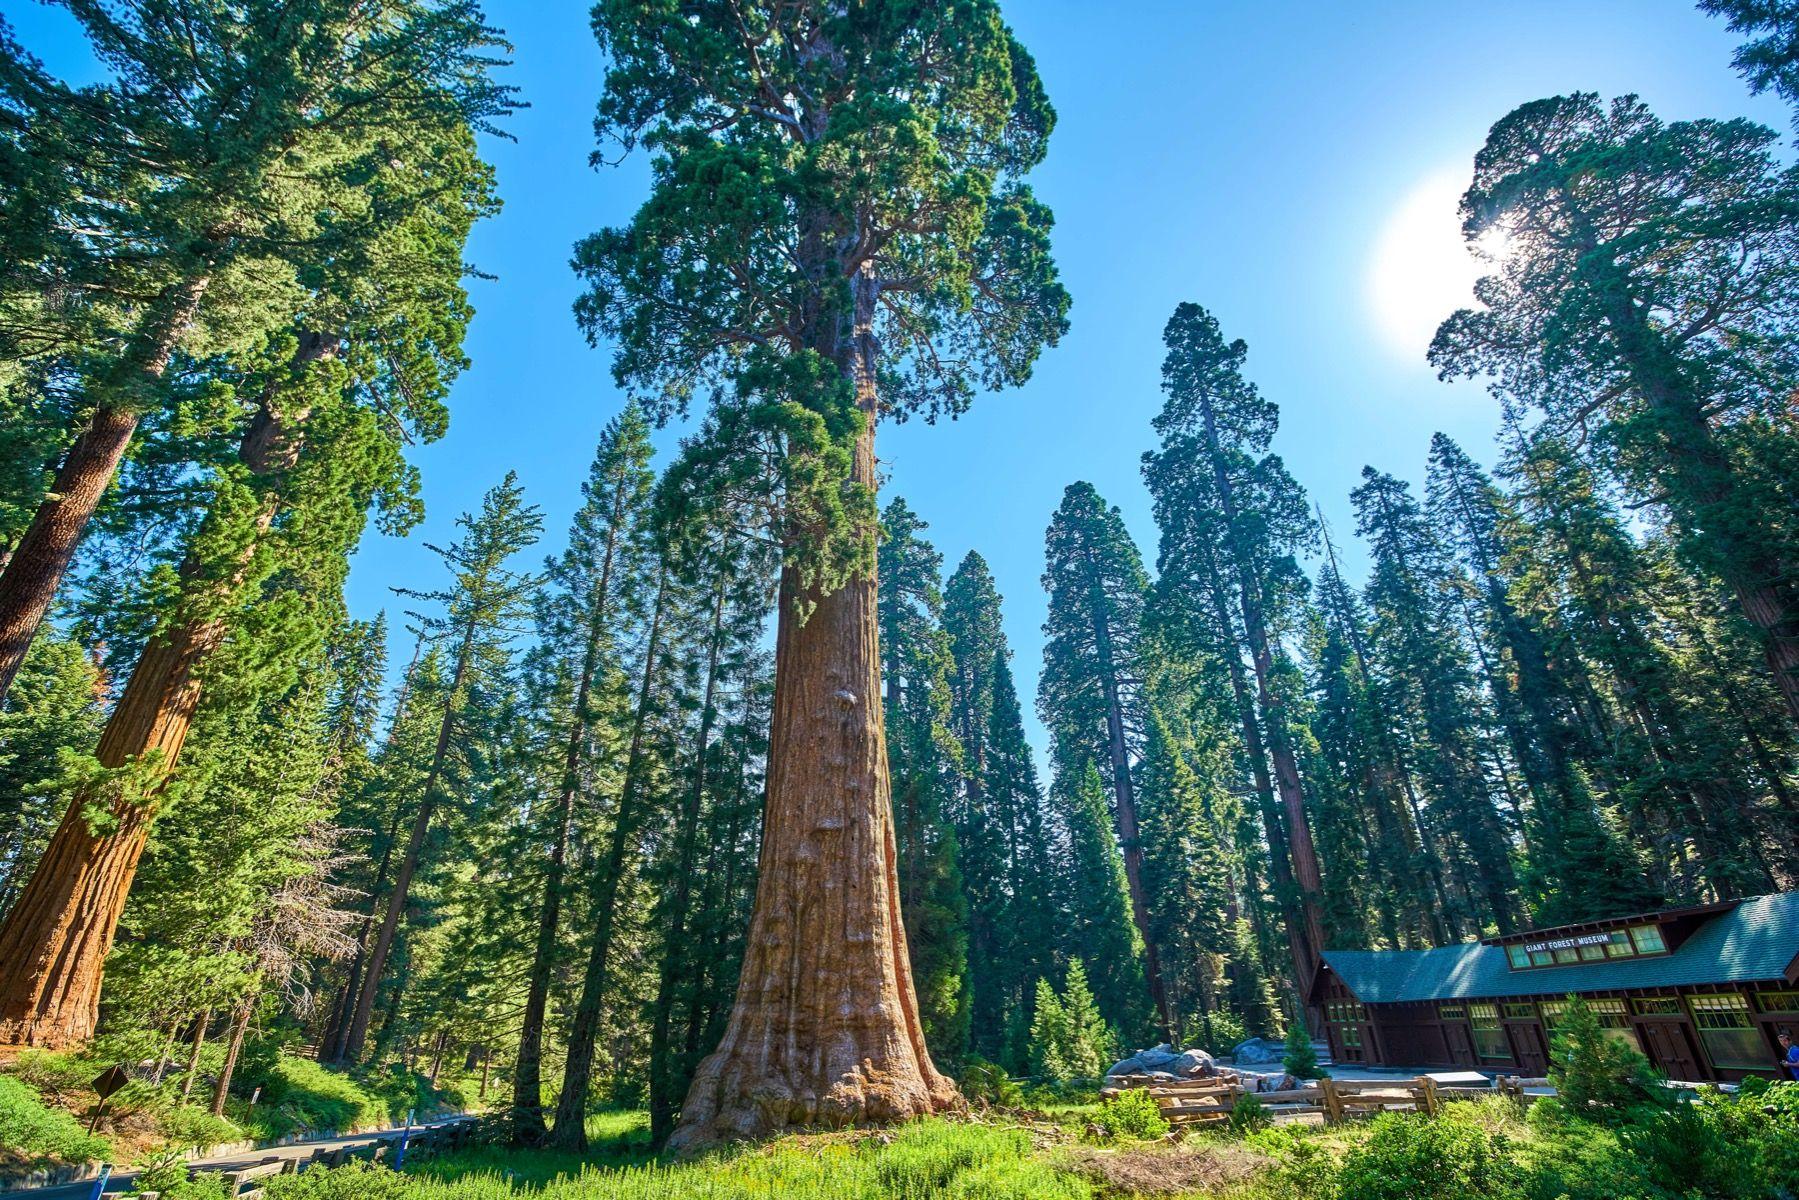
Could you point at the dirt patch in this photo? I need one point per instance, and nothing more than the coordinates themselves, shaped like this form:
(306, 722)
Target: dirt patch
(1165, 1170)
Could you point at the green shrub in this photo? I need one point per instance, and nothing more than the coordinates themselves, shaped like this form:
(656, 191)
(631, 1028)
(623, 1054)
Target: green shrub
(38, 1134)
(1597, 1076)
(165, 1173)
(356, 1181)
(1249, 1114)
(1131, 1114)
(1217, 1033)
(299, 1094)
(1304, 1167)
(1300, 1060)
(193, 1128)
(1449, 1157)
(982, 1080)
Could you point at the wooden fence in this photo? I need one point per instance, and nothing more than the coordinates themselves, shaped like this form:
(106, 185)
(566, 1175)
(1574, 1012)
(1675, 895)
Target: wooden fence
(1209, 1101)
(244, 1183)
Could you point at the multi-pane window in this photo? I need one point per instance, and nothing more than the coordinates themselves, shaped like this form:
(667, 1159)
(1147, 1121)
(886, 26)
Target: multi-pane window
(1521, 1012)
(1613, 1017)
(1490, 1042)
(1729, 1033)
(1619, 943)
(1778, 1002)
(1451, 1012)
(1346, 1016)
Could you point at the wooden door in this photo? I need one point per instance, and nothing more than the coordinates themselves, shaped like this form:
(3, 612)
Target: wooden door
(1461, 1048)
(1671, 1049)
(1528, 1048)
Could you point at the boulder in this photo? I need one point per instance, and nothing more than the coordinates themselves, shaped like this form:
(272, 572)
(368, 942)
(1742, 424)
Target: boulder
(1258, 1051)
(1164, 1062)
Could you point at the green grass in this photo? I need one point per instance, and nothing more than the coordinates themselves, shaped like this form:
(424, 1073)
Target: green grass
(931, 1160)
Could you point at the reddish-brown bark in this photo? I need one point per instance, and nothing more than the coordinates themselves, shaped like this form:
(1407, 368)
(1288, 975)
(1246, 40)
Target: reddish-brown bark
(825, 1028)
(54, 941)
(35, 566)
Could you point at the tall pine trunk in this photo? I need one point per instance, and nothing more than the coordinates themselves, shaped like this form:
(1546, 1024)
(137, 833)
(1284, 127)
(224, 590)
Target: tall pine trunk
(825, 1028)
(570, 1132)
(36, 564)
(54, 941)
(675, 956)
(356, 1036)
(528, 1126)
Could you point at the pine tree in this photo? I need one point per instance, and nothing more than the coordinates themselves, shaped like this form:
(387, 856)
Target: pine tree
(1581, 866)
(1231, 519)
(811, 316)
(483, 611)
(1096, 903)
(1426, 684)
(922, 757)
(57, 706)
(226, 133)
(1090, 692)
(580, 615)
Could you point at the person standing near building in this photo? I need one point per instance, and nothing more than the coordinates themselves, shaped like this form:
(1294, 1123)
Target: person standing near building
(1789, 1056)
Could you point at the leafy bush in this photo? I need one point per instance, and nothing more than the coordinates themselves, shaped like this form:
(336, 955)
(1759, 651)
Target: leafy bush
(39, 1135)
(1249, 1114)
(1217, 1033)
(1450, 1157)
(982, 1080)
(165, 1174)
(1300, 1060)
(1597, 1076)
(1131, 1114)
(1304, 1167)
(193, 1128)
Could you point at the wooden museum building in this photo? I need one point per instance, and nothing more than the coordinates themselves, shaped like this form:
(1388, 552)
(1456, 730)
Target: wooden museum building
(1703, 991)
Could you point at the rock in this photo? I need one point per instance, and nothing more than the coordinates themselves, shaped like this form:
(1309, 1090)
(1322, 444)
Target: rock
(1258, 1051)
(1164, 1062)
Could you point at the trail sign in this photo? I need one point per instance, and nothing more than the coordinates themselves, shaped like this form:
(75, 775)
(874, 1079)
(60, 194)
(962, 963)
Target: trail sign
(110, 1080)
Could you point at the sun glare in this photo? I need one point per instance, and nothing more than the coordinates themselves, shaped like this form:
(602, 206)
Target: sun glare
(1420, 270)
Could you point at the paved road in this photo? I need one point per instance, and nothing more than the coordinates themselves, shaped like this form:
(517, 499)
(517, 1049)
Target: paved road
(121, 1181)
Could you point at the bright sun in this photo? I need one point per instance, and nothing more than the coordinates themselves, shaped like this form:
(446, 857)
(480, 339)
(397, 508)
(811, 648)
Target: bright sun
(1420, 270)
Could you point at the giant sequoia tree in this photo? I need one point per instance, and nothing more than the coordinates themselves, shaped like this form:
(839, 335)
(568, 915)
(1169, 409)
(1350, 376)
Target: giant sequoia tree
(1646, 297)
(235, 150)
(836, 231)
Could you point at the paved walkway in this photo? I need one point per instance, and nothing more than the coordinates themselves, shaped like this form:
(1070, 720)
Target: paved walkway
(225, 1162)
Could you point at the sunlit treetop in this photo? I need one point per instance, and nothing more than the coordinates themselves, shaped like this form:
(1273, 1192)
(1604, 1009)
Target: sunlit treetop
(1628, 242)
(800, 144)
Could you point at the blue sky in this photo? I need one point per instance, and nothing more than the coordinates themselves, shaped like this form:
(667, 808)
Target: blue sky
(1292, 166)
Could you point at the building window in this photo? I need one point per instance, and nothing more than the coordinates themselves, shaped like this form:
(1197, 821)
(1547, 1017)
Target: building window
(1612, 1015)
(1520, 1012)
(1541, 958)
(1648, 939)
(1657, 1006)
(1592, 953)
(1451, 1012)
(1729, 1033)
(1489, 1035)
(1346, 1017)
(1597, 947)
(1519, 956)
(1619, 946)
(1568, 954)
(1778, 1002)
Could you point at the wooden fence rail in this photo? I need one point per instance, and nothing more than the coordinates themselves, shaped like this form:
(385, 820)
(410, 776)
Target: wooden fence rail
(244, 1183)
(1210, 1101)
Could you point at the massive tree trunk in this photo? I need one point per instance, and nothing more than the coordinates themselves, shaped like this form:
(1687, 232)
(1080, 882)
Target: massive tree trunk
(528, 1126)
(570, 1131)
(54, 941)
(35, 566)
(825, 1029)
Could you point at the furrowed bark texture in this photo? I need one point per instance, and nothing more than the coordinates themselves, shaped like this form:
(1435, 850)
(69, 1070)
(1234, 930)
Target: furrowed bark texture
(35, 566)
(54, 941)
(825, 1029)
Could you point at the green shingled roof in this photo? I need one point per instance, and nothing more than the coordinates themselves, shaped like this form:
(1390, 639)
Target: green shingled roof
(1754, 942)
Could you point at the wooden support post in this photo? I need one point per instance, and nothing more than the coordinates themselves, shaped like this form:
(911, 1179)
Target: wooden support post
(1333, 1103)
